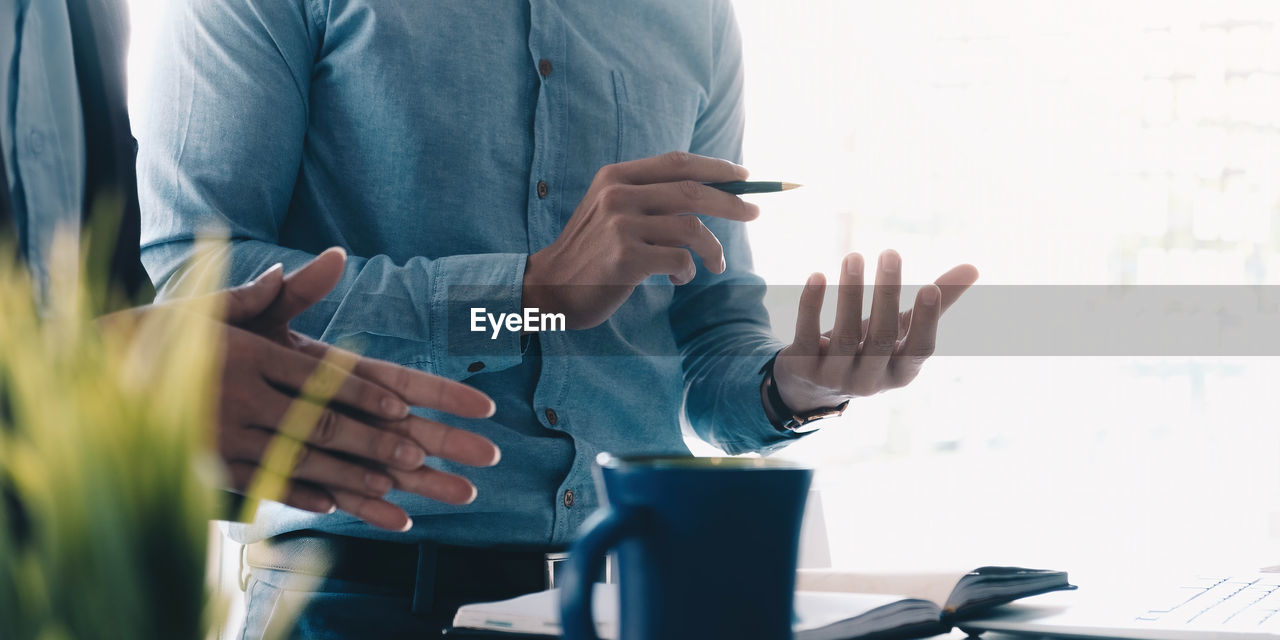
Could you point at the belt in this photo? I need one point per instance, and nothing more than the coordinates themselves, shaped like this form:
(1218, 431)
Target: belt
(433, 574)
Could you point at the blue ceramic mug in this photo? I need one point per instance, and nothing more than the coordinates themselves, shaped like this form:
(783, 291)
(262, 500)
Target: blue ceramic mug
(706, 548)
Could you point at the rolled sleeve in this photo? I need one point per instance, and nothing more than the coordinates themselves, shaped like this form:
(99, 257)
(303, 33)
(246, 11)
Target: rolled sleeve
(719, 319)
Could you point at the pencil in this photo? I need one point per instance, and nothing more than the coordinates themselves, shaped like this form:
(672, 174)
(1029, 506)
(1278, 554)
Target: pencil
(743, 188)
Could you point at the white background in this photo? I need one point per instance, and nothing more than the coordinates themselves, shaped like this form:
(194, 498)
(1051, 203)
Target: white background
(1046, 143)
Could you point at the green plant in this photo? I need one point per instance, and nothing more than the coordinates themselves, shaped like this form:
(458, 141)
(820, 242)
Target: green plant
(106, 474)
(108, 480)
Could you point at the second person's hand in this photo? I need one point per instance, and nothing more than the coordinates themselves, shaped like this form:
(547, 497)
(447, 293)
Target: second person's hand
(365, 442)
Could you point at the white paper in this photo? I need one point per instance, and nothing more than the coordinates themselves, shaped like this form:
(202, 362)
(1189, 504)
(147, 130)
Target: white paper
(539, 613)
(935, 587)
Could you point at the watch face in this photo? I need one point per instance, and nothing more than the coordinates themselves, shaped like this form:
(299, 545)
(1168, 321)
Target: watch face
(808, 422)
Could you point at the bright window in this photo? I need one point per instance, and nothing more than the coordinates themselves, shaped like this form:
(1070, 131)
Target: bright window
(1046, 143)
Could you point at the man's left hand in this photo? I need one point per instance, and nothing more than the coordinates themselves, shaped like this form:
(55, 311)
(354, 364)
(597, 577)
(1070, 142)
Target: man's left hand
(862, 357)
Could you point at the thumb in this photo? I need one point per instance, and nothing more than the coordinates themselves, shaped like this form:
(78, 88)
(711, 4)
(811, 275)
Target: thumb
(305, 287)
(247, 301)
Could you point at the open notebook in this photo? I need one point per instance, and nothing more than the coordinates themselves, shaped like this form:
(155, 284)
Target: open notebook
(922, 604)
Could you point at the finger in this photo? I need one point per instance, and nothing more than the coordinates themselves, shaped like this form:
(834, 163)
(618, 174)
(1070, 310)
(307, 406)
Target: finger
(436, 485)
(951, 284)
(882, 331)
(904, 322)
(685, 196)
(340, 433)
(316, 466)
(847, 334)
(449, 443)
(311, 464)
(374, 511)
(684, 231)
(675, 166)
(305, 287)
(297, 494)
(921, 337)
(955, 282)
(249, 300)
(292, 369)
(417, 388)
(809, 317)
(676, 264)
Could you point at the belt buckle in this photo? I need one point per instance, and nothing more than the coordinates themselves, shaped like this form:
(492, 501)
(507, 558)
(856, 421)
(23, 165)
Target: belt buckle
(553, 563)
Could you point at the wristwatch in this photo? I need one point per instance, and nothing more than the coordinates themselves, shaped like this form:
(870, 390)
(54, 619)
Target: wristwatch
(794, 422)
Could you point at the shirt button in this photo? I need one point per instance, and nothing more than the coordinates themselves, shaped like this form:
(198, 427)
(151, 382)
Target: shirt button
(568, 498)
(36, 142)
(552, 418)
(544, 67)
(543, 189)
(475, 366)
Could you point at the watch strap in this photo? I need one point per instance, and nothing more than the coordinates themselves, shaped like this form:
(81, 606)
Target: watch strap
(794, 421)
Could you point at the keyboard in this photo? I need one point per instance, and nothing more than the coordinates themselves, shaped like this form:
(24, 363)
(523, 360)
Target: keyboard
(1245, 603)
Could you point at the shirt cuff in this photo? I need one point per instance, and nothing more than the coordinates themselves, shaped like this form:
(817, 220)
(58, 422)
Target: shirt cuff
(754, 431)
(473, 286)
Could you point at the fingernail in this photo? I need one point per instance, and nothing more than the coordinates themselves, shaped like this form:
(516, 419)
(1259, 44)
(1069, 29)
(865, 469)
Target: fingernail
(740, 170)
(409, 454)
(407, 525)
(853, 265)
(493, 409)
(929, 295)
(474, 493)
(889, 262)
(332, 510)
(394, 407)
(723, 265)
(497, 457)
(377, 482)
(279, 266)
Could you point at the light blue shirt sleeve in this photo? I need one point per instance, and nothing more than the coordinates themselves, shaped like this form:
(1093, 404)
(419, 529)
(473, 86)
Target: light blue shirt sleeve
(41, 128)
(720, 320)
(221, 151)
(8, 50)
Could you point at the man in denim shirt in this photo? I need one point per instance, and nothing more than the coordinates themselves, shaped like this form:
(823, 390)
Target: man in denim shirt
(499, 155)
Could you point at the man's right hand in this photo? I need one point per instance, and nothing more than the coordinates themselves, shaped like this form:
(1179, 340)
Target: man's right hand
(634, 222)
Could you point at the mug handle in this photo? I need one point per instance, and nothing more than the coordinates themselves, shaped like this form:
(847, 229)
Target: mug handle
(602, 531)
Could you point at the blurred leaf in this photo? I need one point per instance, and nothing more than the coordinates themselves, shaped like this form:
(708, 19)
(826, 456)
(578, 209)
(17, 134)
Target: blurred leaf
(103, 462)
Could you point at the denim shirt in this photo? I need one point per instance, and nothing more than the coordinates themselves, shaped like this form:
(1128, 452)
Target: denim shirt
(41, 128)
(415, 135)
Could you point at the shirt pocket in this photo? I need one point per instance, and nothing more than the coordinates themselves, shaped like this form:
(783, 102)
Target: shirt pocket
(654, 115)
